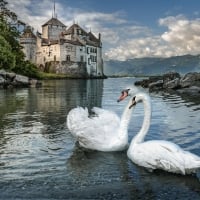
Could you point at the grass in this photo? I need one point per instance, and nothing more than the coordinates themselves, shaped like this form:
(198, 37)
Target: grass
(45, 76)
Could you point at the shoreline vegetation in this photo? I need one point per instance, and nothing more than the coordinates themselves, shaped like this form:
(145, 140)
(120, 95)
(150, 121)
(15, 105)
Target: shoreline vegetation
(15, 80)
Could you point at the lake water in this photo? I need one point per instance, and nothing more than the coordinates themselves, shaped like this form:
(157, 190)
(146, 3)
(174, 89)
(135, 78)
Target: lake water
(39, 159)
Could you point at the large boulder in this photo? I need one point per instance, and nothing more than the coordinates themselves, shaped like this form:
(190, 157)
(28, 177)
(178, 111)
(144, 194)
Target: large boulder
(190, 79)
(2, 80)
(20, 81)
(12, 80)
(3, 73)
(172, 84)
(171, 80)
(189, 83)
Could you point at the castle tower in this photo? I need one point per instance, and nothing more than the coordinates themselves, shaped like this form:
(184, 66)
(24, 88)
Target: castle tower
(52, 29)
(28, 41)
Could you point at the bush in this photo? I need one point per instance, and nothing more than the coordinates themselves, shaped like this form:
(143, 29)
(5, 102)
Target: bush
(27, 68)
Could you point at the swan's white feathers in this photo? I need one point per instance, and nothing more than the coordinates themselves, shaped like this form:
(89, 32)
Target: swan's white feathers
(95, 131)
(160, 154)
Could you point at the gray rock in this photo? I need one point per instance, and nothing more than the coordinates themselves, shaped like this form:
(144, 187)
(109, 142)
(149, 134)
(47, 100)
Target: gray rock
(10, 75)
(188, 84)
(172, 84)
(189, 79)
(24, 80)
(2, 80)
(3, 73)
(156, 85)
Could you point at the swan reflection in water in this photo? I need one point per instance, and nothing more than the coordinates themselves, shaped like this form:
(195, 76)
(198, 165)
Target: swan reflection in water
(158, 154)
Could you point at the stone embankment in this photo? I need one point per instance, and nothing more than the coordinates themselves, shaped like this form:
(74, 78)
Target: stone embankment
(189, 83)
(13, 80)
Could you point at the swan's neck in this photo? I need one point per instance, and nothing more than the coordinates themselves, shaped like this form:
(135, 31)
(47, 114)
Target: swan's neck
(145, 125)
(125, 119)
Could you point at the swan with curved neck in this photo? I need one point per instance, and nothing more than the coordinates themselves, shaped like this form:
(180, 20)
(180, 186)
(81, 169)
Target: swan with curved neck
(105, 131)
(159, 154)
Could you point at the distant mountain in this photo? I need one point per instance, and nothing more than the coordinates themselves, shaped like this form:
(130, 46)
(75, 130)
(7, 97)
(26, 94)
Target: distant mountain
(152, 66)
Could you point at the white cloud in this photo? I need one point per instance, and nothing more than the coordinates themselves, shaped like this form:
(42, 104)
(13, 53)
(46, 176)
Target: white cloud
(34, 13)
(182, 37)
(183, 34)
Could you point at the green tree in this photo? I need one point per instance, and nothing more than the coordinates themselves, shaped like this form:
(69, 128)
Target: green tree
(7, 58)
(8, 30)
(11, 54)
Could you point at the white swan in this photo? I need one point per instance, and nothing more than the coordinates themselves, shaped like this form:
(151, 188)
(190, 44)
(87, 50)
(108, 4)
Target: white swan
(159, 154)
(104, 131)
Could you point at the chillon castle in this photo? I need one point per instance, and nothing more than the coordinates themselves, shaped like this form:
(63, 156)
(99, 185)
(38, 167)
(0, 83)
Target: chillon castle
(64, 50)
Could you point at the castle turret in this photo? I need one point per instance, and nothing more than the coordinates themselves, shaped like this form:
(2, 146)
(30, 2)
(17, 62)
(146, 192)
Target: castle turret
(28, 41)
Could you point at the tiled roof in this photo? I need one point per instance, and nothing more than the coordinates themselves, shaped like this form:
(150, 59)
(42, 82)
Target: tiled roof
(28, 33)
(92, 37)
(70, 30)
(55, 22)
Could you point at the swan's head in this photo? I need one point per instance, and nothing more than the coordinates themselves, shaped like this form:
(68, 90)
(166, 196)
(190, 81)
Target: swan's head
(140, 97)
(133, 103)
(136, 96)
(130, 91)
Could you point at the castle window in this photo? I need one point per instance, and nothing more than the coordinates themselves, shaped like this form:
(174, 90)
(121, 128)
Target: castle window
(78, 31)
(82, 59)
(89, 61)
(88, 50)
(55, 58)
(68, 58)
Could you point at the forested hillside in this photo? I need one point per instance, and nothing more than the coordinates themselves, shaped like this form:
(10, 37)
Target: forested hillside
(152, 66)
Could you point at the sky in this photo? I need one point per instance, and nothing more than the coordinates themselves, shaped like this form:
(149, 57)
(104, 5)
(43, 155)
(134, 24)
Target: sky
(129, 28)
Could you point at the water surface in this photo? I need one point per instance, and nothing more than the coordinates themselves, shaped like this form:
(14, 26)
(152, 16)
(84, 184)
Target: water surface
(39, 159)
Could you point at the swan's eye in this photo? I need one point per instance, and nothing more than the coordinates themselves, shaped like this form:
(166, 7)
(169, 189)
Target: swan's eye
(133, 102)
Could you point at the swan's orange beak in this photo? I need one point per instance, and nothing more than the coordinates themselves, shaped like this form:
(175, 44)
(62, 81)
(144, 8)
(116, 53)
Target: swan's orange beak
(123, 95)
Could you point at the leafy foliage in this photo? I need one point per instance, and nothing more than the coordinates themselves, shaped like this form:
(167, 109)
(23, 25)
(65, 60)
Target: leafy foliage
(12, 57)
(7, 58)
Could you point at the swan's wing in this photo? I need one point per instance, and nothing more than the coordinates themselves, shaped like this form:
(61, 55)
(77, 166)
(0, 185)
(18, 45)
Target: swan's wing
(76, 119)
(106, 118)
(160, 155)
(98, 129)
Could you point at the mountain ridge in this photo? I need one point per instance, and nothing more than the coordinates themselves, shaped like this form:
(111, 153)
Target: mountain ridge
(152, 66)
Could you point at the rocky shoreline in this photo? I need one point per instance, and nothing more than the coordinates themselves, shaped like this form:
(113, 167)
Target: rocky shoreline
(189, 83)
(13, 80)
